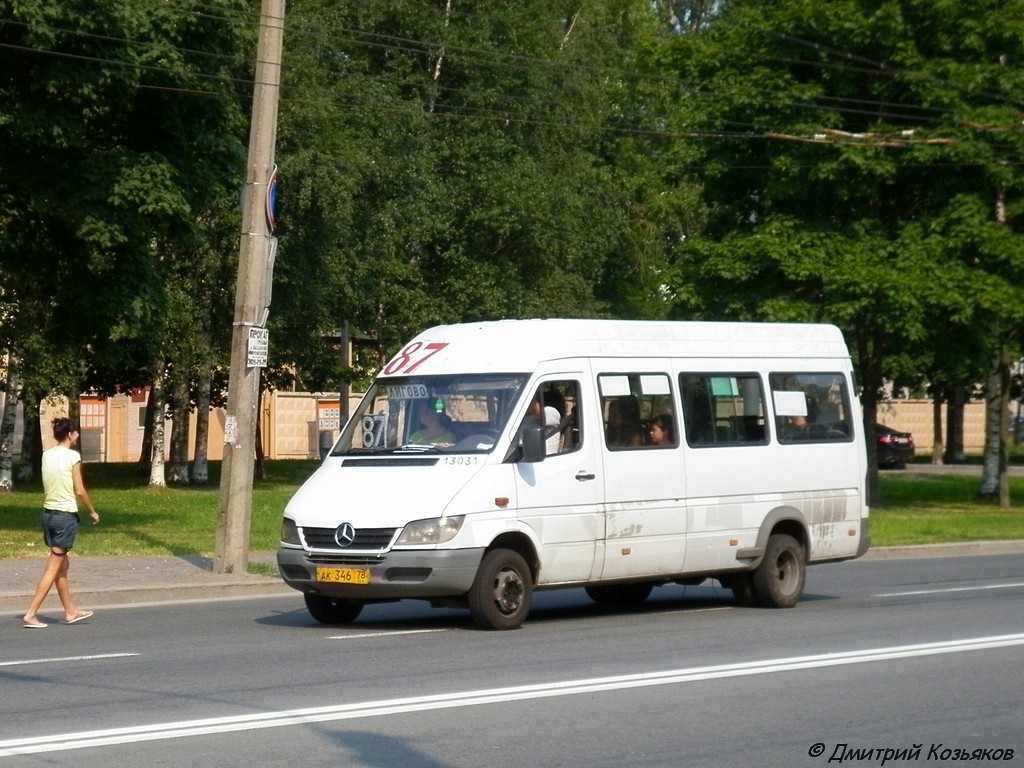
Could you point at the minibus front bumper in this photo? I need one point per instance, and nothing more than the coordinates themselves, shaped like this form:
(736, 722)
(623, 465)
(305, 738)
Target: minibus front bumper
(396, 575)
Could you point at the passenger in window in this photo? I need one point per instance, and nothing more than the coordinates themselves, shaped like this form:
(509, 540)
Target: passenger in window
(548, 417)
(797, 426)
(794, 428)
(700, 428)
(662, 431)
(623, 429)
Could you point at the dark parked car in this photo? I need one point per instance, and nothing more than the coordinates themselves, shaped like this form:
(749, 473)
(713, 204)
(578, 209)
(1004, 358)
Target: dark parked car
(895, 449)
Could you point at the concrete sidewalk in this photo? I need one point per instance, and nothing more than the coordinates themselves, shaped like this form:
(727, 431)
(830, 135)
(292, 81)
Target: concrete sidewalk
(105, 581)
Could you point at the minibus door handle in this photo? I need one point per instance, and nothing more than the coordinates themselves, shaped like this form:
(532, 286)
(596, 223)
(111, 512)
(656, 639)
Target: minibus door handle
(584, 475)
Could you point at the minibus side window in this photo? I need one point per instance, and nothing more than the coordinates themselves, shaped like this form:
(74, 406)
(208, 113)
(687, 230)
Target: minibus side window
(811, 407)
(723, 409)
(638, 410)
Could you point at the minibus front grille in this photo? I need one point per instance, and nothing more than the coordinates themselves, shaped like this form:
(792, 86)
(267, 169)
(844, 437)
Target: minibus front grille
(376, 539)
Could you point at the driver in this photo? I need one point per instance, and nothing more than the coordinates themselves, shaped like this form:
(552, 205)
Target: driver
(434, 424)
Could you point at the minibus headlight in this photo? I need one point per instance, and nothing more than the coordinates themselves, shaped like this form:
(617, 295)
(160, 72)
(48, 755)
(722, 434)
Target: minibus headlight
(435, 531)
(290, 532)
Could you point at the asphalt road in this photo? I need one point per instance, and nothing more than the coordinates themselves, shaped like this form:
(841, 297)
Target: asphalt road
(881, 654)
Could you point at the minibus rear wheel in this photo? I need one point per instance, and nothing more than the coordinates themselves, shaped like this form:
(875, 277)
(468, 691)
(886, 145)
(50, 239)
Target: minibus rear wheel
(779, 579)
(332, 610)
(500, 595)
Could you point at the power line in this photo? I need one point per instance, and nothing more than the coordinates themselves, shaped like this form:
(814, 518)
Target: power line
(834, 105)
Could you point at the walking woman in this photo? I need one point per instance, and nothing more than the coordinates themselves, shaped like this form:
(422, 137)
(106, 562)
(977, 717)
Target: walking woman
(63, 488)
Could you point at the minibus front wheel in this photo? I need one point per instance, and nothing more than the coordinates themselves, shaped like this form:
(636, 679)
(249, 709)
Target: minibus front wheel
(501, 593)
(332, 610)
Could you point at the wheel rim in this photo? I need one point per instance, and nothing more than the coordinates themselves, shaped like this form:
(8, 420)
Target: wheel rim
(508, 590)
(786, 572)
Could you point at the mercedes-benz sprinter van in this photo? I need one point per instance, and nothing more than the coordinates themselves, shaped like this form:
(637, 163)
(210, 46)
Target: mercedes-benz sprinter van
(489, 460)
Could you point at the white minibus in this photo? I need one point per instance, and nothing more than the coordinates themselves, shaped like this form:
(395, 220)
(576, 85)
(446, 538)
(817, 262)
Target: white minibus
(489, 460)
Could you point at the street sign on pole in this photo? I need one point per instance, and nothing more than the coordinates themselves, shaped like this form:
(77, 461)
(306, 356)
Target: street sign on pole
(258, 348)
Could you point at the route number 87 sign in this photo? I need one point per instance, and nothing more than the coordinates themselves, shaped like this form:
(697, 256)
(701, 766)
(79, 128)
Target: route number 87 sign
(413, 356)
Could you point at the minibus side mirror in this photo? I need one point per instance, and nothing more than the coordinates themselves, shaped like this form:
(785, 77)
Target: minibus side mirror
(534, 444)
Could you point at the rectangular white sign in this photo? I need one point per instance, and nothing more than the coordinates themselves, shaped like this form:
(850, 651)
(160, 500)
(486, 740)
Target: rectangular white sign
(258, 347)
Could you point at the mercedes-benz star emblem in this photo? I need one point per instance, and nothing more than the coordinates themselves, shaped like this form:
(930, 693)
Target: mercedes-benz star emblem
(345, 535)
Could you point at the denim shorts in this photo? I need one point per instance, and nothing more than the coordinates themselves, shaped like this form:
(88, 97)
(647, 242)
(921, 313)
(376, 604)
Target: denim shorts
(59, 529)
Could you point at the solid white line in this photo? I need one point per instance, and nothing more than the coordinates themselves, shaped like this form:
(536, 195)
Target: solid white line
(254, 721)
(361, 635)
(65, 658)
(948, 590)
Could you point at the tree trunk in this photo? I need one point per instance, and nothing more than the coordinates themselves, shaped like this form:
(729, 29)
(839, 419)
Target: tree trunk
(955, 425)
(870, 350)
(177, 468)
(259, 471)
(937, 429)
(156, 415)
(200, 473)
(994, 477)
(7, 424)
(146, 452)
(31, 439)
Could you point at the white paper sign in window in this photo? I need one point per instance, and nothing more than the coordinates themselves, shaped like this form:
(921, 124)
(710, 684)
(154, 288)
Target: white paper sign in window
(790, 403)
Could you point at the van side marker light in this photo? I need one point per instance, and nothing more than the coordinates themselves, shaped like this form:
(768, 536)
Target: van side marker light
(501, 501)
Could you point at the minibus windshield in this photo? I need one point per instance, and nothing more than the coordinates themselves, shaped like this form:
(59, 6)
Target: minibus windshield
(461, 413)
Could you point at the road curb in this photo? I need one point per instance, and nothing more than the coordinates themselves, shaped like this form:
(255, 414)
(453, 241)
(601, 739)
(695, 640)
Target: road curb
(954, 549)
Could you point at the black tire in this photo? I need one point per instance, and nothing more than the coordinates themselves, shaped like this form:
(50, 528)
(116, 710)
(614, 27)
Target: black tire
(501, 593)
(742, 586)
(332, 610)
(620, 596)
(779, 579)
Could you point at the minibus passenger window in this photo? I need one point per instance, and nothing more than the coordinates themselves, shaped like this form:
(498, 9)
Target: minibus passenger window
(811, 407)
(638, 410)
(723, 409)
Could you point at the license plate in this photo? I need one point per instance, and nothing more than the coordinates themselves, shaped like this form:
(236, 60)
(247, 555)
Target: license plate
(343, 575)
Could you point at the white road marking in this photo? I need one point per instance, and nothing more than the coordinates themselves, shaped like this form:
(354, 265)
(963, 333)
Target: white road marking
(948, 590)
(259, 721)
(61, 659)
(361, 635)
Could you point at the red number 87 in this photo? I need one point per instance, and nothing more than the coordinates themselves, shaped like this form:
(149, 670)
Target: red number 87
(408, 361)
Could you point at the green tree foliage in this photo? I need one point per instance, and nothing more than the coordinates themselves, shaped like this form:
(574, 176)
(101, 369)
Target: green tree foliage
(459, 161)
(855, 160)
(121, 127)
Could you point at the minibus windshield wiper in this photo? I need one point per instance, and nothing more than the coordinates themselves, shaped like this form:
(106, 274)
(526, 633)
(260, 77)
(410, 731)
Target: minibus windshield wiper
(418, 448)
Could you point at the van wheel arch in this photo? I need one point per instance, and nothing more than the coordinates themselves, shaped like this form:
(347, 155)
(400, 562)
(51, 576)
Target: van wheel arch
(520, 544)
(782, 520)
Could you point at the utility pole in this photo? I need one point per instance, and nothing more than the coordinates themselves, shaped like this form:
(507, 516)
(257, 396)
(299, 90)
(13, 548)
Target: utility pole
(252, 298)
(346, 361)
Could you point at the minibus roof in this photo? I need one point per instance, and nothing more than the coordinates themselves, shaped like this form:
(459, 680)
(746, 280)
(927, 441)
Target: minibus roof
(520, 345)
